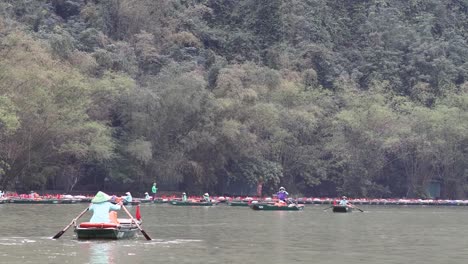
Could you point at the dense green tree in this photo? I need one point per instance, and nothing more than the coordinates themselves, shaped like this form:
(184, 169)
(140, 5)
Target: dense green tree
(324, 97)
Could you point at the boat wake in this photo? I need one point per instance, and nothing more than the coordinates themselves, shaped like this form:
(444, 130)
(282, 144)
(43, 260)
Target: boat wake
(174, 242)
(15, 241)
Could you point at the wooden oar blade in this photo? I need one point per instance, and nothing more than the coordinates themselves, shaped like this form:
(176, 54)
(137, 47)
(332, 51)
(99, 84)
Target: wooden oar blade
(146, 235)
(355, 207)
(136, 223)
(59, 234)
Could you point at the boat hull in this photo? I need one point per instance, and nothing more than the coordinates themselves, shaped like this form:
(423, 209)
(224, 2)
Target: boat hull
(106, 231)
(160, 201)
(238, 203)
(35, 201)
(181, 203)
(272, 207)
(342, 209)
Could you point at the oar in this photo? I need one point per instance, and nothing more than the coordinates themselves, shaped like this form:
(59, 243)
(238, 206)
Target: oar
(328, 208)
(59, 234)
(353, 206)
(136, 223)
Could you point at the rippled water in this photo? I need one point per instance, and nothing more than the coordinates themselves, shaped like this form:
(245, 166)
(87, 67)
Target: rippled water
(223, 234)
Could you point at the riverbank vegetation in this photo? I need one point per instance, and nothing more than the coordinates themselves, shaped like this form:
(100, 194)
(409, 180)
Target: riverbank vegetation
(367, 98)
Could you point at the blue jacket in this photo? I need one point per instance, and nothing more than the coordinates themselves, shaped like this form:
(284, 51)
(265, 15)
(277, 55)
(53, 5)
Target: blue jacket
(101, 212)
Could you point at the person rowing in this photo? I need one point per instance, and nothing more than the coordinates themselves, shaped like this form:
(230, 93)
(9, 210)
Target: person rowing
(128, 197)
(101, 207)
(282, 194)
(147, 196)
(206, 198)
(184, 197)
(344, 201)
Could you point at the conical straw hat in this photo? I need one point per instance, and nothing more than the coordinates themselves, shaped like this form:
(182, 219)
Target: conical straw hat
(100, 198)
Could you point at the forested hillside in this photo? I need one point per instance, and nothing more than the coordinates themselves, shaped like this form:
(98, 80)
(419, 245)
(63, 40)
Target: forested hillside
(324, 97)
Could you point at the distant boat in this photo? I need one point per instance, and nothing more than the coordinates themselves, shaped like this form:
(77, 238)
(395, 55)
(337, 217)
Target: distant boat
(342, 209)
(191, 203)
(238, 203)
(273, 207)
(35, 201)
(160, 200)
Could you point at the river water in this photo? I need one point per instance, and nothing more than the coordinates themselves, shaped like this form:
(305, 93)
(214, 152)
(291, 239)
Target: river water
(222, 234)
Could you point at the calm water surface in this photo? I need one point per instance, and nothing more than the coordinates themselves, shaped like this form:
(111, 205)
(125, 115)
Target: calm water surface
(223, 234)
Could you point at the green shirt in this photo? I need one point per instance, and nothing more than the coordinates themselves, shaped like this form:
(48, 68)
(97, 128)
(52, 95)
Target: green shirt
(154, 189)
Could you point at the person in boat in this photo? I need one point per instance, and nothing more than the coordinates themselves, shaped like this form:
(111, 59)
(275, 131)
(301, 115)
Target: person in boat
(154, 190)
(344, 201)
(206, 198)
(101, 207)
(1, 194)
(33, 195)
(184, 197)
(147, 196)
(282, 194)
(128, 197)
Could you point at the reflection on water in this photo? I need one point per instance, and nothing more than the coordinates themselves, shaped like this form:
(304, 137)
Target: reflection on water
(100, 252)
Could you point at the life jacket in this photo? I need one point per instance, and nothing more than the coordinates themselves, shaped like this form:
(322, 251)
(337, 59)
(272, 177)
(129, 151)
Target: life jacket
(280, 203)
(113, 217)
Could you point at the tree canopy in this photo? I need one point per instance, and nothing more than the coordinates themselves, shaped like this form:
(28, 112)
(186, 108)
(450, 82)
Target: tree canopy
(325, 97)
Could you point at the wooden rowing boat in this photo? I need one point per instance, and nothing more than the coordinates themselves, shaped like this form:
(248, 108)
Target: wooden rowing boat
(238, 203)
(125, 229)
(160, 200)
(342, 209)
(44, 201)
(273, 207)
(35, 201)
(190, 203)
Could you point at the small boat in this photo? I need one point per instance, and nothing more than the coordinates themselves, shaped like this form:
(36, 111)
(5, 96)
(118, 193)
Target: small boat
(191, 203)
(68, 201)
(238, 203)
(34, 201)
(124, 229)
(145, 200)
(342, 209)
(160, 200)
(133, 202)
(274, 207)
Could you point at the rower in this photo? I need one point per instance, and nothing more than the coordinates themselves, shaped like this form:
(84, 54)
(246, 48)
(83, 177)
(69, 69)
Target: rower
(206, 197)
(147, 197)
(101, 206)
(128, 197)
(184, 197)
(343, 201)
(282, 194)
